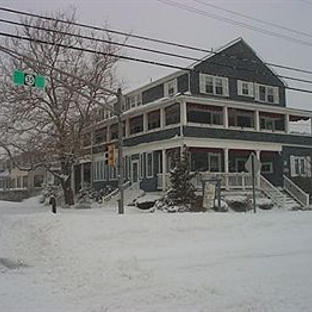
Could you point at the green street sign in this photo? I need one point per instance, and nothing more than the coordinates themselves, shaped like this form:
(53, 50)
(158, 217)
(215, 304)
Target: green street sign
(23, 79)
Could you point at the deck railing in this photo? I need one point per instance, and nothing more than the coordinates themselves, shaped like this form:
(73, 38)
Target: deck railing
(296, 192)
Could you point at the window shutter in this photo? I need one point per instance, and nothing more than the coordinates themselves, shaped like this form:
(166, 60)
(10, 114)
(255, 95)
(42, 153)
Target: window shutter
(202, 84)
(239, 87)
(256, 89)
(166, 89)
(276, 95)
(225, 85)
(292, 166)
(251, 89)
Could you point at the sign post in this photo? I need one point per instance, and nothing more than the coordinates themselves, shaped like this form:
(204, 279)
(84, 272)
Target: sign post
(24, 79)
(253, 165)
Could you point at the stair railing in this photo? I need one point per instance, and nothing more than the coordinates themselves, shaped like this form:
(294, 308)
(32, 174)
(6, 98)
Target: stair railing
(296, 192)
(272, 192)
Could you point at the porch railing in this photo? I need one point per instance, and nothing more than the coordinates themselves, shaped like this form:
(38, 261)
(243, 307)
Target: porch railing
(272, 192)
(296, 192)
(229, 181)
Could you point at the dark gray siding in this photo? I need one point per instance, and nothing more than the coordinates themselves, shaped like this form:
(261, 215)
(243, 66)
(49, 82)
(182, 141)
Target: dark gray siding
(276, 178)
(295, 151)
(234, 96)
(152, 137)
(183, 83)
(198, 132)
(153, 94)
(304, 182)
(150, 184)
(238, 62)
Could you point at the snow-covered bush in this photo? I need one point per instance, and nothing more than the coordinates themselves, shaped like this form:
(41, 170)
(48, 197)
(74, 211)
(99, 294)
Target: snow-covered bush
(84, 197)
(264, 203)
(238, 203)
(48, 191)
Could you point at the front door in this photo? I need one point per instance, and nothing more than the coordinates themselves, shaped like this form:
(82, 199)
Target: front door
(134, 171)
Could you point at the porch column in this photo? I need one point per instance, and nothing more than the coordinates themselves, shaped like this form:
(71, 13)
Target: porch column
(162, 118)
(226, 167)
(287, 130)
(225, 117)
(183, 113)
(164, 171)
(257, 121)
(145, 125)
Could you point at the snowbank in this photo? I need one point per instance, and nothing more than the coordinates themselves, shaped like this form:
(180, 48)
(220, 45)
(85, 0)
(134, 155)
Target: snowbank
(95, 260)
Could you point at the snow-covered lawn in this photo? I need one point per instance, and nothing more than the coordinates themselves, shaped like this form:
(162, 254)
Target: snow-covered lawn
(95, 260)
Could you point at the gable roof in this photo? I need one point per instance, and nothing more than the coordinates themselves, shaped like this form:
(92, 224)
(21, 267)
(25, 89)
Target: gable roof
(238, 59)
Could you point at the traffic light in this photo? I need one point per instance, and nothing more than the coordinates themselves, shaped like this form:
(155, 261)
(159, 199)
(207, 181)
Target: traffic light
(111, 155)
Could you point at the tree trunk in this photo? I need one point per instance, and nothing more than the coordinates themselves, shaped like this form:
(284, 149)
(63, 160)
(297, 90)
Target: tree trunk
(68, 193)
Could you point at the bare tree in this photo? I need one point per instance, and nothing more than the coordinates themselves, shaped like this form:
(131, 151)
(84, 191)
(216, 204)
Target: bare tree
(45, 127)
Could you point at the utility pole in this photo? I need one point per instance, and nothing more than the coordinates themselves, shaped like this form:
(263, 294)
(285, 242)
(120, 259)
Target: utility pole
(253, 181)
(120, 154)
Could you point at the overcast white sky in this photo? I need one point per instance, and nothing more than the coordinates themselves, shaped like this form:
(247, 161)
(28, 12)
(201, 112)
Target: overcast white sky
(153, 18)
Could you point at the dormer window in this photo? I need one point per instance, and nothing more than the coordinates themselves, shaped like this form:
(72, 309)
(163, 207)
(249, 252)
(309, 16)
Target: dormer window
(245, 88)
(133, 100)
(266, 94)
(213, 85)
(171, 88)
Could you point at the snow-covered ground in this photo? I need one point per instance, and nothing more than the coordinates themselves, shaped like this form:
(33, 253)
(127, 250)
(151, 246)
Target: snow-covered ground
(96, 261)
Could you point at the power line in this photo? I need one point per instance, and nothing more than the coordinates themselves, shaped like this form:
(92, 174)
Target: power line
(132, 58)
(156, 40)
(298, 32)
(117, 32)
(234, 22)
(135, 47)
(126, 57)
(129, 46)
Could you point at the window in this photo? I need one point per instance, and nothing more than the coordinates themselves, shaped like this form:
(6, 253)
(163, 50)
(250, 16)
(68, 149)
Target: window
(241, 118)
(300, 166)
(100, 136)
(141, 166)
(25, 181)
(266, 94)
(136, 124)
(86, 139)
(112, 173)
(206, 161)
(149, 165)
(213, 85)
(38, 180)
(267, 167)
(245, 88)
(170, 88)
(113, 131)
(153, 120)
(133, 100)
(204, 114)
(99, 170)
(272, 122)
(172, 114)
